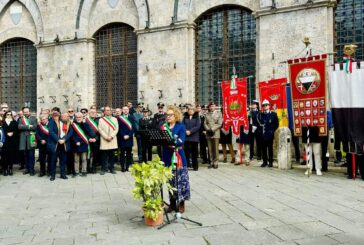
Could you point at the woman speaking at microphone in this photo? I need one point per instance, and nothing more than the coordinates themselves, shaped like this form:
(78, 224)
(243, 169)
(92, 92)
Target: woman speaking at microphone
(177, 159)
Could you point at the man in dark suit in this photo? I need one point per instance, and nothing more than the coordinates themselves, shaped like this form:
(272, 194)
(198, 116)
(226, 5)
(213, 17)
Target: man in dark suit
(42, 134)
(60, 133)
(93, 123)
(125, 138)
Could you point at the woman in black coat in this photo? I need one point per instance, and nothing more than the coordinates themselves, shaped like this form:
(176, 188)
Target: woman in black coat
(192, 123)
(10, 147)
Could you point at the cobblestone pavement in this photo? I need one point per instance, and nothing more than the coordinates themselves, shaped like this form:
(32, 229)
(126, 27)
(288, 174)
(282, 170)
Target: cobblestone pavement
(236, 204)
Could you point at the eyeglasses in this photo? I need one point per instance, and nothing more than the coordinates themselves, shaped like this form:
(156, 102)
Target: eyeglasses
(70, 111)
(169, 115)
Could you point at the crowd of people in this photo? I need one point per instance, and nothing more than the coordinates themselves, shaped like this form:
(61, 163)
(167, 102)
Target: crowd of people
(95, 138)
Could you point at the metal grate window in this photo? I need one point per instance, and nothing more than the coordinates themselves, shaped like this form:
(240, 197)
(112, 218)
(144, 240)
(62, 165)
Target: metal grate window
(349, 27)
(116, 65)
(18, 74)
(225, 37)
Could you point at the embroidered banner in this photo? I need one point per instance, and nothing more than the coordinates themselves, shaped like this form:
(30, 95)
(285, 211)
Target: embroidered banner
(234, 95)
(275, 92)
(308, 89)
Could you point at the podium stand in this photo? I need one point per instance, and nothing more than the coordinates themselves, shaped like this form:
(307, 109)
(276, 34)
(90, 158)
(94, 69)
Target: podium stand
(157, 137)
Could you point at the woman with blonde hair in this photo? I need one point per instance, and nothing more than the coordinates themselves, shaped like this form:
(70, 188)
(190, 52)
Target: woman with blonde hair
(173, 155)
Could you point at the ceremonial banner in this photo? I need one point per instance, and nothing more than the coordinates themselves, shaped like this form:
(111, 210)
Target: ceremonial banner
(308, 89)
(234, 104)
(275, 92)
(347, 103)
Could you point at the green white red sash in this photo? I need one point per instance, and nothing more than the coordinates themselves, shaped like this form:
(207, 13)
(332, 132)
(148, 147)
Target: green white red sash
(93, 124)
(83, 136)
(43, 128)
(25, 121)
(125, 120)
(176, 159)
(109, 122)
(80, 132)
(348, 64)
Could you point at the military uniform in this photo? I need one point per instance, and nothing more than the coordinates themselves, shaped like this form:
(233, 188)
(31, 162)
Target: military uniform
(145, 124)
(268, 123)
(212, 124)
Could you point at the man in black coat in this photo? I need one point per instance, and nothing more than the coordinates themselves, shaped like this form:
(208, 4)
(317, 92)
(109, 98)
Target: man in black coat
(159, 119)
(145, 124)
(268, 123)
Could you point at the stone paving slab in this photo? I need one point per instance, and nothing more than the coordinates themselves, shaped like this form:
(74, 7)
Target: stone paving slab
(236, 204)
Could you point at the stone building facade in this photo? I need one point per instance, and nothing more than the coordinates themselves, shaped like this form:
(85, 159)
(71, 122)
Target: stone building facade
(81, 58)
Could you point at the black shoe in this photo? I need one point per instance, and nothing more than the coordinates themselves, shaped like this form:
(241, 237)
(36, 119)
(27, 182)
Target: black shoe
(52, 178)
(123, 170)
(210, 166)
(10, 172)
(74, 175)
(64, 177)
(112, 171)
(5, 173)
(41, 174)
(21, 168)
(26, 172)
(303, 163)
(263, 165)
(31, 173)
(344, 165)
(102, 172)
(84, 174)
(270, 165)
(259, 158)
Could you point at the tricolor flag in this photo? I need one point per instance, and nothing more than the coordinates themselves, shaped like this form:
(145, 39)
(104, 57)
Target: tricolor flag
(347, 103)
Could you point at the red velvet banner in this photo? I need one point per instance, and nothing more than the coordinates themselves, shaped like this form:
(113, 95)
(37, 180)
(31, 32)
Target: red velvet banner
(234, 94)
(275, 92)
(308, 89)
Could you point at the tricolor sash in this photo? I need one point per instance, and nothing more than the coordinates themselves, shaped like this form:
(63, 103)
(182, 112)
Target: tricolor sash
(80, 132)
(176, 159)
(126, 121)
(83, 136)
(25, 121)
(109, 122)
(348, 64)
(93, 124)
(43, 128)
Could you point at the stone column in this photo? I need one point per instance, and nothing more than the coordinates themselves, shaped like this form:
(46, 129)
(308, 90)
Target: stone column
(284, 148)
(166, 65)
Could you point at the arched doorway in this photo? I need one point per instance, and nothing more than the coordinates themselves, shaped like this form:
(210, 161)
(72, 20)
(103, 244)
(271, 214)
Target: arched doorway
(225, 37)
(18, 74)
(349, 27)
(116, 65)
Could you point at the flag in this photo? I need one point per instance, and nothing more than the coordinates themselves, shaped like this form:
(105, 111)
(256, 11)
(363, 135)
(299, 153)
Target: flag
(347, 104)
(275, 92)
(308, 91)
(234, 105)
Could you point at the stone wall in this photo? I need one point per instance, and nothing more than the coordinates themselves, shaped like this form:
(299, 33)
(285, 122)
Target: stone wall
(166, 50)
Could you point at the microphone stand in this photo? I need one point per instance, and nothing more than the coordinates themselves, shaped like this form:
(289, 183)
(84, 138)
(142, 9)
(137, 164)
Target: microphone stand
(177, 215)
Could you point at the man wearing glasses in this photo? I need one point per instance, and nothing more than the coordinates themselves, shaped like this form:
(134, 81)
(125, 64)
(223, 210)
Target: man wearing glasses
(70, 155)
(268, 123)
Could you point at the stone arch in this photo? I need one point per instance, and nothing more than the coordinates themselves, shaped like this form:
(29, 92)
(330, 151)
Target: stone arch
(86, 8)
(18, 32)
(189, 10)
(33, 9)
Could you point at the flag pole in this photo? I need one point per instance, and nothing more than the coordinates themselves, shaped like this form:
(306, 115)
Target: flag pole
(307, 42)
